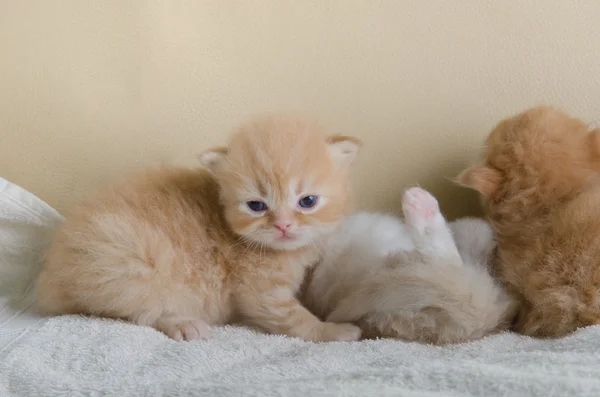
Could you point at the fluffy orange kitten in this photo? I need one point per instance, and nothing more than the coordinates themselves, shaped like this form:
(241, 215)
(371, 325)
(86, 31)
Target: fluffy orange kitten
(540, 183)
(180, 249)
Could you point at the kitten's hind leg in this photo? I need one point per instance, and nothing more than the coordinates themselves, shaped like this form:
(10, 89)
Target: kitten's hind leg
(426, 224)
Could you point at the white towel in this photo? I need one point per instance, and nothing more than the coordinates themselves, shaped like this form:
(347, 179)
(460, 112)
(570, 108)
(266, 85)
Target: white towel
(78, 356)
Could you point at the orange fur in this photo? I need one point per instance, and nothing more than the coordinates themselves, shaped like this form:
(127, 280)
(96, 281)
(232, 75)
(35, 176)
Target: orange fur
(180, 250)
(540, 187)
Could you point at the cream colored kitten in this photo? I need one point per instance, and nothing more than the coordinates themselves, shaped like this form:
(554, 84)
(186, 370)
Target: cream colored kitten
(408, 280)
(180, 250)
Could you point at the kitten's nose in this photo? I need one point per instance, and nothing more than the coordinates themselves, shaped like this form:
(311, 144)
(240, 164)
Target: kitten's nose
(282, 226)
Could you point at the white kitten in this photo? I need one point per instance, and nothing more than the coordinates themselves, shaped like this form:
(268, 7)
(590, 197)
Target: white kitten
(421, 280)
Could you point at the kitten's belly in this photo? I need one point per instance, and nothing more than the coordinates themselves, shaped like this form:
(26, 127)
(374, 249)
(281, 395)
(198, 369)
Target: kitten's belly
(359, 248)
(373, 234)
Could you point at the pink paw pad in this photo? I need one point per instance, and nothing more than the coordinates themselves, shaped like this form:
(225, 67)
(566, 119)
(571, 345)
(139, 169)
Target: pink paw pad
(419, 203)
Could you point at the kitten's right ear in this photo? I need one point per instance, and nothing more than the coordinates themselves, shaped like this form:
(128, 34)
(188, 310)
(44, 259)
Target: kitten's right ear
(343, 149)
(482, 178)
(213, 159)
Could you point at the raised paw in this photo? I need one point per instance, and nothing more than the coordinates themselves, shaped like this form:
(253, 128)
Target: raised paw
(185, 329)
(426, 224)
(332, 332)
(420, 208)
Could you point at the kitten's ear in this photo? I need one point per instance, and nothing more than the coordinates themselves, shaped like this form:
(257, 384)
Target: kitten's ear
(213, 158)
(343, 149)
(481, 178)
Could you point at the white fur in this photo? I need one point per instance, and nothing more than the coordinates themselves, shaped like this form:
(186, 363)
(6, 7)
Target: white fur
(410, 280)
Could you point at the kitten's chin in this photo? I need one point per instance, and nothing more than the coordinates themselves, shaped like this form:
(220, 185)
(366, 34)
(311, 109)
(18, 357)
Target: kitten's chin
(288, 244)
(294, 240)
(302, 239)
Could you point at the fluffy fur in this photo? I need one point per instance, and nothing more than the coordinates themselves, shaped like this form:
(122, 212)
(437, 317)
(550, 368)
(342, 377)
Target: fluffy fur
(539, 181)
(408, 280)
(180, 249)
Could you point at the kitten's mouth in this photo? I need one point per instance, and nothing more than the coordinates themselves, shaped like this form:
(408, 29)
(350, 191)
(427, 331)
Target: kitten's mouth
(285, 237)
(287, 241)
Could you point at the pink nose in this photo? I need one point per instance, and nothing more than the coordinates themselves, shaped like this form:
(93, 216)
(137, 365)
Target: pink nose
(282, 226)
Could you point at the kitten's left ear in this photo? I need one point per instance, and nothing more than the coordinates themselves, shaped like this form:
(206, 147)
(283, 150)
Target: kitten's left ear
(482, 178)
(213, 158)
(343, 149)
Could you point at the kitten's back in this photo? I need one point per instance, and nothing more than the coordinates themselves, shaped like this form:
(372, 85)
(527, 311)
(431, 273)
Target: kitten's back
(428, 302)
(142, 237)
(540, 188)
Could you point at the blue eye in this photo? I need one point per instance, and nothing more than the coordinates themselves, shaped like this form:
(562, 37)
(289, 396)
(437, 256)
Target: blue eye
(257, 206)
(308, 201)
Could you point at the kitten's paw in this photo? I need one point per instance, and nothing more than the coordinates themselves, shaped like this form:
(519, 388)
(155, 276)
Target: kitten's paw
(426, 224)
(420, 208)
(332, 332)
(185, 329)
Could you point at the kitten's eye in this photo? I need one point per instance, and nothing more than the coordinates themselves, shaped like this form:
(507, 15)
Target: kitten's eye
(308, 201)
(257, 206)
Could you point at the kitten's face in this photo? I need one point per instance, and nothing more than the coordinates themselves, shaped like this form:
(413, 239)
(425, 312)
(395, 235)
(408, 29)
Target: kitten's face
(284, 184)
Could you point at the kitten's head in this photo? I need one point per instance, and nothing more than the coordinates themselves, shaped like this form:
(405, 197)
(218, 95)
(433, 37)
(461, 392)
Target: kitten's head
(541, 151)
(284, 183)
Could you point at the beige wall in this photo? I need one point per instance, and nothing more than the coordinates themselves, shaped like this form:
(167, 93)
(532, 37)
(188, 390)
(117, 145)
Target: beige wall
(90, 89)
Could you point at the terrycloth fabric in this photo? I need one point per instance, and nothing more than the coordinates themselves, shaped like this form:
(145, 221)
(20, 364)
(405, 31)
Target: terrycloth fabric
(77, 356)
(26, 227)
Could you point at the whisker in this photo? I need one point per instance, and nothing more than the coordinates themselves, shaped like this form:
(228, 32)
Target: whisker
(251, 241)
(313, 245)
(262, 245)
(239, 241)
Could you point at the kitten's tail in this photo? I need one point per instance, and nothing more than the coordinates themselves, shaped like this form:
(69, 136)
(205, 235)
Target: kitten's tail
(433, 303)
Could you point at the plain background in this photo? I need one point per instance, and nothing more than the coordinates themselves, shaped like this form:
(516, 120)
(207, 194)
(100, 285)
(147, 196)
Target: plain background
(90, 90)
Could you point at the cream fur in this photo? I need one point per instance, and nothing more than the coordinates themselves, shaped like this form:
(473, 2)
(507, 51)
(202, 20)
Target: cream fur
(408, 280)
(180, 250)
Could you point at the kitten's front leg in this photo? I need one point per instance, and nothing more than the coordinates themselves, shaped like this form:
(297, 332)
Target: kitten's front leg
(278, 311)
(426, 224)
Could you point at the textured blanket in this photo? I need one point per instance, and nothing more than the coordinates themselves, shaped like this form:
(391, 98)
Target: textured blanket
(78, 356)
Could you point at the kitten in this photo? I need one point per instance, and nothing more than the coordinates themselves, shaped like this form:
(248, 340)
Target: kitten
(540, 186)
(181, 250)
(408, 280)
